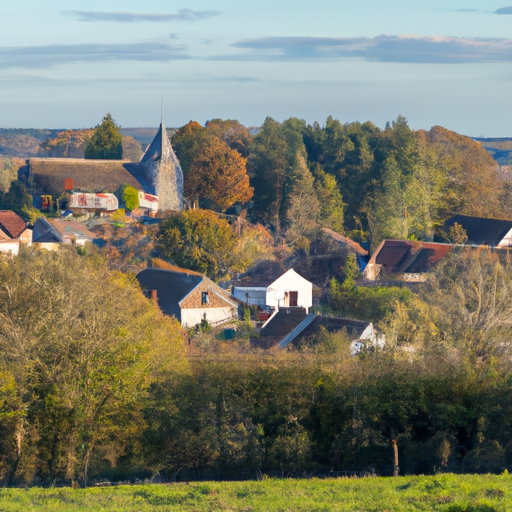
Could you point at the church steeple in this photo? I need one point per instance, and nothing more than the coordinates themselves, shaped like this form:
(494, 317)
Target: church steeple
(164, 171)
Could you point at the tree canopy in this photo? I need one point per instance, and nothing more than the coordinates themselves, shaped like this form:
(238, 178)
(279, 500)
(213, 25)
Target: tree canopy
(198, 240)
(80, 348)
(107, 141)
(213, 162)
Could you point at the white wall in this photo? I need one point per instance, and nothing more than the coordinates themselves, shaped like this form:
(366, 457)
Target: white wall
(507, 241)
(253, 296)
(193, 317)
(10, 247)
(290, 281)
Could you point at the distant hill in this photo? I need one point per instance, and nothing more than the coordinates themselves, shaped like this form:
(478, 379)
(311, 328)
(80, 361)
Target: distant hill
(23, 143)
(26, 143)
(500, 148)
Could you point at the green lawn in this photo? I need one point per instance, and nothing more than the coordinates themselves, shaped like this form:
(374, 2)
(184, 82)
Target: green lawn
(451, 493)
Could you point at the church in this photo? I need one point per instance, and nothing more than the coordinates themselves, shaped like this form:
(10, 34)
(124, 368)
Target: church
(157, 177)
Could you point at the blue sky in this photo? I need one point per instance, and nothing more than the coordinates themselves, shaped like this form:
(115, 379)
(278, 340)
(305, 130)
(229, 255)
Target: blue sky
(64, 64)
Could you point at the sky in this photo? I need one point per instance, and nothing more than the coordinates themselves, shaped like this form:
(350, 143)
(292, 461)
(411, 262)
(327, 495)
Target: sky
(65, 64)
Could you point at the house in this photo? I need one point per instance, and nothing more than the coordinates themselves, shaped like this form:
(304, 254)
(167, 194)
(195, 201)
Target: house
(13, 227)
(10, 247)
(51, 233)
(295, 326)
(158, 174)
(270, 286)
(407, 260)
(360, 334)
(482, 231)
(187, 295)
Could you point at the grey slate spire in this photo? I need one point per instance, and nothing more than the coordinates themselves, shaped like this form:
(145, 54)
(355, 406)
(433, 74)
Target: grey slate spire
(163, 170)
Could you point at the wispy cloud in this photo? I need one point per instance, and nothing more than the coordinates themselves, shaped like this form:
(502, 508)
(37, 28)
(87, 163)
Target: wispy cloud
(48, 56)
(384, 48)
(504, 10)
(133, 17)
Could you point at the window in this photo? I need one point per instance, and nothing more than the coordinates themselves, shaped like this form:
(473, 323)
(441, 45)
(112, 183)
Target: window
(204, 298)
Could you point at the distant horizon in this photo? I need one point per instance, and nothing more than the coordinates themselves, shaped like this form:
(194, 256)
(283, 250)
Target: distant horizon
(168, 127)
(436, 63)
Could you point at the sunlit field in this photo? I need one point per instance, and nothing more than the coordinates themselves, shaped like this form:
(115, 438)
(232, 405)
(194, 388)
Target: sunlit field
(448, 492)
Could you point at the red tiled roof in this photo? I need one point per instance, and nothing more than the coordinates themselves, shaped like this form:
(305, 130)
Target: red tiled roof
(11, 223)
(398, 256)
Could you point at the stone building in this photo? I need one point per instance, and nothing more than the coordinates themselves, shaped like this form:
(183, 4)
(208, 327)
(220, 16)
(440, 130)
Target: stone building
(158, 173)
(187, 295)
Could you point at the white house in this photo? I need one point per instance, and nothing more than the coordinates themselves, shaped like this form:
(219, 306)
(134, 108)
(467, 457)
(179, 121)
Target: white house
(288, 290)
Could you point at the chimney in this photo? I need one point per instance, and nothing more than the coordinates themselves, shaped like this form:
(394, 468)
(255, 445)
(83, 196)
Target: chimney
(153, 296)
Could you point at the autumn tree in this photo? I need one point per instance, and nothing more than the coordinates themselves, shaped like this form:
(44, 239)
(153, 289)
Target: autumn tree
(217, 175)
(106, 142)
(185, 143)
(80, 347)
(472, 172)
(233, 133)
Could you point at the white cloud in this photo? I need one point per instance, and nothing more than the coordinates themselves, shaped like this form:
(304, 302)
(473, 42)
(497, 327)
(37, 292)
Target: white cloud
(48, 56)
(132, 17)
(384, 48)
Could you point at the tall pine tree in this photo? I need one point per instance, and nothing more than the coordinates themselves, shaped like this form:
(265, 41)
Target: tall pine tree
(107, 141)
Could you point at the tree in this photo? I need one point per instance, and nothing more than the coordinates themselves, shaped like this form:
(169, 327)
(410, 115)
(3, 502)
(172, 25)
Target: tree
(185, 142)
(475, 186)
(198, 240)
(217, 175)
(83, 346)
(233, 133)
(331, 201)
(17, 198)
(106, 142)
(268, 171)
(8, 174)
(130, 197)
(303, 205)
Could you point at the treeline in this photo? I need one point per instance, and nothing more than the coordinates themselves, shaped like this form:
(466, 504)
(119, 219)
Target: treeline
(94, 383)
(354, 178)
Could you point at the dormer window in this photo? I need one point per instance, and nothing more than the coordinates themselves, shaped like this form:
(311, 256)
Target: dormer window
(204, 298)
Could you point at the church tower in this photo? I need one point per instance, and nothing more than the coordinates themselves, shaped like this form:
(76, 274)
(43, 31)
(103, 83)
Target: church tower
(162, 169)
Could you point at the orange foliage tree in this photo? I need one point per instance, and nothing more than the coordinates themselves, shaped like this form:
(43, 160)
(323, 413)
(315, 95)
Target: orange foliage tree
(217, 175)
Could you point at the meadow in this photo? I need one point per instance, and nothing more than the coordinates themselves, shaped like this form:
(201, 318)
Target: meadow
(444, 492)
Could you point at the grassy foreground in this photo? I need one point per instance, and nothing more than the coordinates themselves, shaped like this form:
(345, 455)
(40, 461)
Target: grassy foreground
(451, 493)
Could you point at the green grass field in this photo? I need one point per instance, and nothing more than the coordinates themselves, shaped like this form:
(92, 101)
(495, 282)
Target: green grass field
(451, 493)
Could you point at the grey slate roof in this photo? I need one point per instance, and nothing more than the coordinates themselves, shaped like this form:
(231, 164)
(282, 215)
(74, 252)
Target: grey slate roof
(284, 322)
(172, 287)
(353, 327)
(481, 231)
(261, 275)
